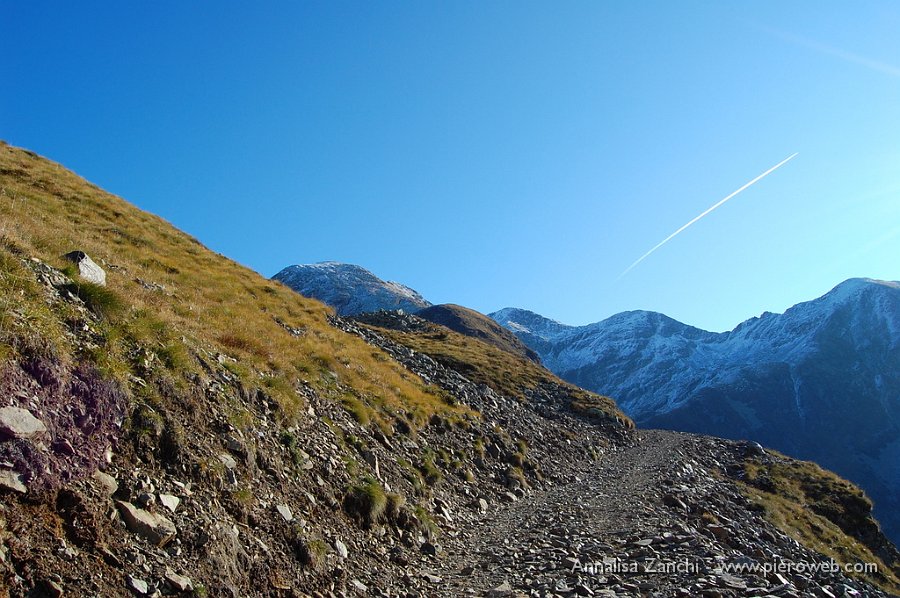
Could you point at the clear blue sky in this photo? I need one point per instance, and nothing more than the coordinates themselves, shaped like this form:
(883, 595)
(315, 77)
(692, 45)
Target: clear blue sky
(490, 154)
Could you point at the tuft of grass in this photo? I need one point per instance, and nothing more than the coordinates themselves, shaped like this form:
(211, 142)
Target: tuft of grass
(431, 473)
(395, 504)
(366, 502)
(360, 412)
(102, 301)
(311, 552)
(426, 522)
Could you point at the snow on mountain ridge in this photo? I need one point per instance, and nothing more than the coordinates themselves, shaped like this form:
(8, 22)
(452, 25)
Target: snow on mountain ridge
(649, 345)
(349, 288)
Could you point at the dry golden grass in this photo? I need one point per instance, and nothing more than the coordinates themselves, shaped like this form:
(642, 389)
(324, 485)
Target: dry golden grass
(206, 300)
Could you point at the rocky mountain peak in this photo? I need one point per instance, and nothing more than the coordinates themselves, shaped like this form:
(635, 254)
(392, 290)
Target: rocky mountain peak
(349, 288)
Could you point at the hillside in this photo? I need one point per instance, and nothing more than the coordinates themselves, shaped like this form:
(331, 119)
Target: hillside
(349, 289)
(191, 428)
(471, 323)
(819, 382)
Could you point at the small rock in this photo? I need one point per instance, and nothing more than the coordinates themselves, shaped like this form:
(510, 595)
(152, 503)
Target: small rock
(673, 501)
(228, 461)
(360, 586)
(179, 582)
(170, 502)
(12, 481)
(431, 578)
(139, 586)
(508, 497)
(108, 483)
(63, 447)
(16, 422)
(285, 512)
(731, 581)
(583, 590)
(754, 449)
(429, 549)
(341, 549)
(54, 589)
(155, 528)
(504, 589)
(87, 268)
(145, 500)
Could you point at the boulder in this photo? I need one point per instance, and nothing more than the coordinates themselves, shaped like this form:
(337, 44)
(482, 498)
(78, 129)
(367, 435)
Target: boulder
(155, 528)
(179, 583)
(12, 481)
(16, 422)
(87, 268)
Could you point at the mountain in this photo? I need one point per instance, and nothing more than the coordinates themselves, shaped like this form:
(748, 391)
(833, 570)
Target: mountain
(819, 382)
(349, 289)
(352, 290)
(172, 423)
(535, 330)
(471, 323)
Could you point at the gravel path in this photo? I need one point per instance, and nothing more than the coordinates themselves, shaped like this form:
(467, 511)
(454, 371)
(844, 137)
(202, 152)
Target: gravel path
(652, 519)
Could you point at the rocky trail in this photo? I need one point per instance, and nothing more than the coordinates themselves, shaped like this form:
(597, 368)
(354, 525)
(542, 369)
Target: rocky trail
(650, 519)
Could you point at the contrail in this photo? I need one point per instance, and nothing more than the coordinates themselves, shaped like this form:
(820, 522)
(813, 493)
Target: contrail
(875, 65)
(676, 233)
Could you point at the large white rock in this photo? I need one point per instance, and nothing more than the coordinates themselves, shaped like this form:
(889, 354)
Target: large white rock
(87, 268)
(12, 481)
(19, 423)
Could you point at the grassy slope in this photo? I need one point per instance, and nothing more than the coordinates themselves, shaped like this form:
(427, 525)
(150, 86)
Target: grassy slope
(820, 510)
(206, 300)
(471, 323)
(505, 372)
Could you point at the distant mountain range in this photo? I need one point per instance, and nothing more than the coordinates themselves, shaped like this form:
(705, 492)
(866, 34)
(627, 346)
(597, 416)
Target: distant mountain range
(819, 382)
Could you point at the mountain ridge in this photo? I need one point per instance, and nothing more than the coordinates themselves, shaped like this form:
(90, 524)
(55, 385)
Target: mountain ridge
(349, 289)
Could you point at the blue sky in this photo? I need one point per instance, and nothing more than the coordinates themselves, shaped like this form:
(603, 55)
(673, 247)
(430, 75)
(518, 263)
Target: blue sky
(490, 154)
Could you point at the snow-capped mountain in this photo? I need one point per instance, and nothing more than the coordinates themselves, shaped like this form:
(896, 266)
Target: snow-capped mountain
(820, 381)
(350, 289)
